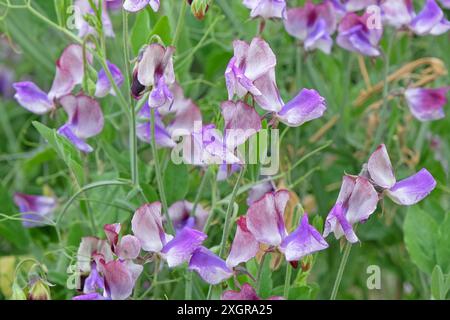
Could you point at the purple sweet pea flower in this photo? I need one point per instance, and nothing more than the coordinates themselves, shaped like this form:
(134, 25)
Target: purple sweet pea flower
(128, 247)
(313, 25)
(6, 82)
(303, 241)
(114, 4)
(84, 8)
(85, 120)
(104, 86)
(32, 98)
(144, 130)
(266, 9)
(405, 192)
(427, 104)
(147, 226)
(250, 63)
(36, 210)
(259, 190)
(181, 248)
(154, 69)
(90, 296)
(136, 5)
(181, 214)
(244, 246)
(94, 282)
(357, 200)
(445, 3)
(246, 293)
(90, 246)
(431, 20)
(356, 35)
(397, 13)
(354, 5)
(209, 266)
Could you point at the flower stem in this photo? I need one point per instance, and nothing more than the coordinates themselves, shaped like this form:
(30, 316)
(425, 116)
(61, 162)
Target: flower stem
(340, 273)
(159, 179)
(287, 280)
(180, 23)
(260, 269)
(226, 227)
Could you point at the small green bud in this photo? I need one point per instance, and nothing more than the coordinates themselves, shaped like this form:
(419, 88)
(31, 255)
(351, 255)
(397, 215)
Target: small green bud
(199, 8)
(39, 290)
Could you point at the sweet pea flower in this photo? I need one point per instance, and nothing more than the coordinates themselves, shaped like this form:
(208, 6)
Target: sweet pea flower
(246, 292)
(35, 210)
(313, 25)
(357, 35)
(181, 214)
(445, 3)
(136, 5)
(104, 86)
(431, 20)
(354, 5)
(83, 7)
(210, 267)
(397, 13)
(266, 9)
(259, 190)
(147, 226)
(154, 69)
(85, 120)
(427, 104)
(264, 224)
(406, 192)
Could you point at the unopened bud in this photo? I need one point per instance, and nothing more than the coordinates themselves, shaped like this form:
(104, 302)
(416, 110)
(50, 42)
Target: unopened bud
(199, 8)
(39, 290)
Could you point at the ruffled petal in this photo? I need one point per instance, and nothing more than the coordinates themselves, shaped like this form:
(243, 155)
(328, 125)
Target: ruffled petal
(32, 98)
(306, 106)
(413, 189)
(380, 168)
(209, 266)
(426, 19)
(180, 248)
(147, 227)
(244, 246)
(303, 241)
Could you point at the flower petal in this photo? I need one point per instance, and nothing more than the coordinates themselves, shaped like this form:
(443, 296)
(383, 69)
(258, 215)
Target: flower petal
(209, 266)
(259, 59)
(128, 247)
(32, 98)
(426, 19)
(303, 241)
(88, 247)
(112, 233)
(246, 293)
(35, 209)
(306, 106)
(380, 168)
(244, 246)
(147, 227)
(104, 86)
(180, 248)
(413, 189)
(362, 202)
(427, 104)
(135, 5)
(118, 280)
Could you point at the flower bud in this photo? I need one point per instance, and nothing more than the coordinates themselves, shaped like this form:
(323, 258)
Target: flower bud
(39, 290)
(17, 293)
(199, 8)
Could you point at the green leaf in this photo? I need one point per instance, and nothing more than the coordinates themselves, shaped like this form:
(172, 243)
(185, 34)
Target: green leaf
(140, 31)
(438, 285)
(162, 29)
(176, 182)
(65, 150)
(443, 245)
(266, 283)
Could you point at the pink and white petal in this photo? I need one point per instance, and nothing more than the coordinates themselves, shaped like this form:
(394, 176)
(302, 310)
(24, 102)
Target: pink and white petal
(259, 190)
(244, 246)
(427, 104)
(306, 106)
(296, 22)
(210, 267)
(154, 4)
(185, 121)
(67, 132)
(347, 186)
(304, 241)
(268, 9)
(413, 189)
(362, 202)
(337, 223)
(118, 280)
(442, 27)
(147, 227)
(246, 293)
(88, 247)
(270, 99)
(128, 247)
(152, 59)
(241, 122)
(181, 247)
(259, 59)
(380, 168)
(112, 233)
(32, 98)
(135, 5)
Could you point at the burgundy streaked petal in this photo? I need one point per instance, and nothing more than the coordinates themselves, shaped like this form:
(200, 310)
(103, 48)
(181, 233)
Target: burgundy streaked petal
(112, 233)
(427, 104)
(244, 246)
(380, 168)
(88, 247)
(181, 247)
(306, 106)
(209, 266)
(246, 293)
(32, 98)
(128, 247)
(119, 280)
(413, 189)
(147, 227)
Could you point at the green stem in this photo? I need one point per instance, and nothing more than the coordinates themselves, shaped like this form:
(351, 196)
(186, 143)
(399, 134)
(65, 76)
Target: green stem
(188, 290)
(180, 23)
(159, 179)
(226, 227)
(287, 280)
(260, 269)
(340, 273)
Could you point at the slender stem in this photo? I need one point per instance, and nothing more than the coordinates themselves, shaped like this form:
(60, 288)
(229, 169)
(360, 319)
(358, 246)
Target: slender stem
(340, 273)
(287, 280)
(384, 110)
(260, 269)
(188, 289)
(180, 23)
(159, 179)
(226, 227)
(200, 191)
